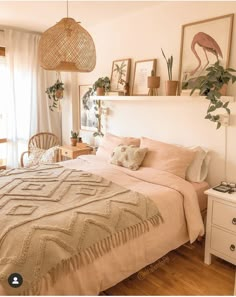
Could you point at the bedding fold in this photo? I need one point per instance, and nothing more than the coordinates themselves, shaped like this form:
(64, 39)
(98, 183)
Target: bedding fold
(153, 176)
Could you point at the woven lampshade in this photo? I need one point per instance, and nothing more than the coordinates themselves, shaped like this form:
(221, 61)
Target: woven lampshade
(67, 46)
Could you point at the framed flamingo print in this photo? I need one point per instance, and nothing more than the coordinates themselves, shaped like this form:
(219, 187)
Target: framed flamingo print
(120, 75)
(203, 43)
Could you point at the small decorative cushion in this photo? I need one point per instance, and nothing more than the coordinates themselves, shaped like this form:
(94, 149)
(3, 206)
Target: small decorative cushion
(167, 157)
(128, 156)
(40, 156)
(110, 141)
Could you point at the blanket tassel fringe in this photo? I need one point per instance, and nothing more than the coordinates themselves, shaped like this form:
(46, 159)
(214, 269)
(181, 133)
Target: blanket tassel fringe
(92, 253)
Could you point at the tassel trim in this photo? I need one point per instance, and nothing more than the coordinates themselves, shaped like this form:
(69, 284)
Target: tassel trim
(92, 253)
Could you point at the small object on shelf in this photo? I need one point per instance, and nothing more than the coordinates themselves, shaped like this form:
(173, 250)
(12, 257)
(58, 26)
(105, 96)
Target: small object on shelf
(79, 139)
(101, 86)
(221, 188)
(153, 84)
(73, 138)
(171, 85)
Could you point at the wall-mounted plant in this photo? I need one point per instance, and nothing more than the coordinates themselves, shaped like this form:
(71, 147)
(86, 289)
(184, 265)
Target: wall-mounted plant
(171, 85)
(211, 85)
(55, 93)
(98, 116)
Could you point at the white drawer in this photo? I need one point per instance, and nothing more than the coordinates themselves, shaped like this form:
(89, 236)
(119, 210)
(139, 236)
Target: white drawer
(224, 216)
(223, 242)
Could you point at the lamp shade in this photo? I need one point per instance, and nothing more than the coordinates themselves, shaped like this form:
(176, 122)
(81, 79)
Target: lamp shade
(67, 46)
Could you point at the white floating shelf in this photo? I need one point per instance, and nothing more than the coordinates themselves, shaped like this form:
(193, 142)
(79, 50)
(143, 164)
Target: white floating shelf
(158, 98)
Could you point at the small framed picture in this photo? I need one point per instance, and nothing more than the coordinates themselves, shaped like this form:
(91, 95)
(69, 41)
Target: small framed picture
(88, 109)
(142, 70)
(120, 74)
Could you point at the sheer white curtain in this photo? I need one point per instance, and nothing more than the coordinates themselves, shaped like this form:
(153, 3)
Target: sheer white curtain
(27, 105)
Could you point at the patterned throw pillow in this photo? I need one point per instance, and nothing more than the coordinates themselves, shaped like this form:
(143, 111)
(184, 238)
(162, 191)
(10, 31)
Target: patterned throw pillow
(128, 156)
(40, 156)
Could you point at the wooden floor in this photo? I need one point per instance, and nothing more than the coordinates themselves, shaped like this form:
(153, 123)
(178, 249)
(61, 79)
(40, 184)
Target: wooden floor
(181, 272)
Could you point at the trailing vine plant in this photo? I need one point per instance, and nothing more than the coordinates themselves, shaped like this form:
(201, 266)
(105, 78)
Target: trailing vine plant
(55, 93)
(210, 86)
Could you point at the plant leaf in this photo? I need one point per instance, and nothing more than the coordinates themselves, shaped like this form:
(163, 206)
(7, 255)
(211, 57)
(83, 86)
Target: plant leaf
(226, 104)
(218, 125)
(208, 116)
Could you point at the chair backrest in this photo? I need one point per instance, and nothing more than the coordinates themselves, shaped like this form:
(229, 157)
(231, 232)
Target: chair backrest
(44, 140)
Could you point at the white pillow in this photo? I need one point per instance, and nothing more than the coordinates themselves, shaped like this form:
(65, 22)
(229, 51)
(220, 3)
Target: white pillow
(198, 169)
(40, 156)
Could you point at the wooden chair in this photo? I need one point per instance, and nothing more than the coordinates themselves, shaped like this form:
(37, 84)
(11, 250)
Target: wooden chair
(44, 140)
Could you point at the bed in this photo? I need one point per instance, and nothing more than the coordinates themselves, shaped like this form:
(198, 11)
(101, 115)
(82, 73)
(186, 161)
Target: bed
(178, 204)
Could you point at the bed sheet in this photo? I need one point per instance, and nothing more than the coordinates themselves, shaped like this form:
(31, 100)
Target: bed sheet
(127, 259)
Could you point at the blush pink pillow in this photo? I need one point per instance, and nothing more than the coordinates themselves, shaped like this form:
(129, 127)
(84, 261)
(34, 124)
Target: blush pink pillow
(111, 141)
(166, 157)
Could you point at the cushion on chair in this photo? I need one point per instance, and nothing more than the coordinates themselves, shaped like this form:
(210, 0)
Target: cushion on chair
(40, 156)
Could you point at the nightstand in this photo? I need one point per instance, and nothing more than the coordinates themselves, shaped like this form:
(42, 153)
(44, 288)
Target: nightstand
(221, 227)
(72, 152)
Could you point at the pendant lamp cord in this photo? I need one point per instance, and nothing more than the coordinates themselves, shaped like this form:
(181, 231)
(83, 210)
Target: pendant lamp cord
(67, 8)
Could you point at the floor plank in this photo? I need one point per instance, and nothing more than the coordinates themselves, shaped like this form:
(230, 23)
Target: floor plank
(181, 272)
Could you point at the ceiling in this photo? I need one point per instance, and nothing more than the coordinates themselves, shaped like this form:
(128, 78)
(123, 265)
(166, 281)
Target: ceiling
(40, 15)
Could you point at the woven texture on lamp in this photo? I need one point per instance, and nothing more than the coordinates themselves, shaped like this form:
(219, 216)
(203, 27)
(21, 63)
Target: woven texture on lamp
(67, 46)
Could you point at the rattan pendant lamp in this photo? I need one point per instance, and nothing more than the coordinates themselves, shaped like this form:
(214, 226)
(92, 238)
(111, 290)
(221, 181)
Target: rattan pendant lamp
(67, 46)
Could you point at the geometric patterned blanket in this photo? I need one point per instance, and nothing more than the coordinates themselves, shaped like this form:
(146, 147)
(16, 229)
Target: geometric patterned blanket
(54, 219)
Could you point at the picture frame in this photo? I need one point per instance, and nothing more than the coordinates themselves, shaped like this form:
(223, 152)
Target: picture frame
(142, 70)
(120, 75)
(88, 109)
(201, 45)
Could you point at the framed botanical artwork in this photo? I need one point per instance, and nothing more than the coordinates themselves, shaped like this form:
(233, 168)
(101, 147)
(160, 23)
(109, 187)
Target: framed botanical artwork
(88, 109)
(142, 70)
(120, 74)
(203, 43)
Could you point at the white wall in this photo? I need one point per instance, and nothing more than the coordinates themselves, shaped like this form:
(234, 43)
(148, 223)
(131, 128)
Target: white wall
(177, 121)
(140, 35)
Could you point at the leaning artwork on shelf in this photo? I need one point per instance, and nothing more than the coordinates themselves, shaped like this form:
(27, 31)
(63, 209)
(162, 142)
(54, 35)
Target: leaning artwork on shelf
(88, 109)
(202, 44)
(120, 75)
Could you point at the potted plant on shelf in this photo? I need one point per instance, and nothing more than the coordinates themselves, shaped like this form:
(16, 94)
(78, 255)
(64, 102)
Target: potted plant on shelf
(213, 85)
(101, 86)
(171, 85)
(153, 84)
(73, 138)
(55, 93)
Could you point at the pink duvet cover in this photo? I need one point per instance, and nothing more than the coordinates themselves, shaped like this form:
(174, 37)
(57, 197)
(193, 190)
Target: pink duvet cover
(178, 204)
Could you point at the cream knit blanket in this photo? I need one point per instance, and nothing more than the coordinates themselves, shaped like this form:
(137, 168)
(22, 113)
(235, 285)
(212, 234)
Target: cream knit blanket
(54, 219)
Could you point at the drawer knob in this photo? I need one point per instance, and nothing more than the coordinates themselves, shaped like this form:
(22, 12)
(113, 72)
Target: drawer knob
(234, 221)
(232, 247)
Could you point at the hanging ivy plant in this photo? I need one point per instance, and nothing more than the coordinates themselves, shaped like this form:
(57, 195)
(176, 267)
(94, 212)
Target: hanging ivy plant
(55, 93)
